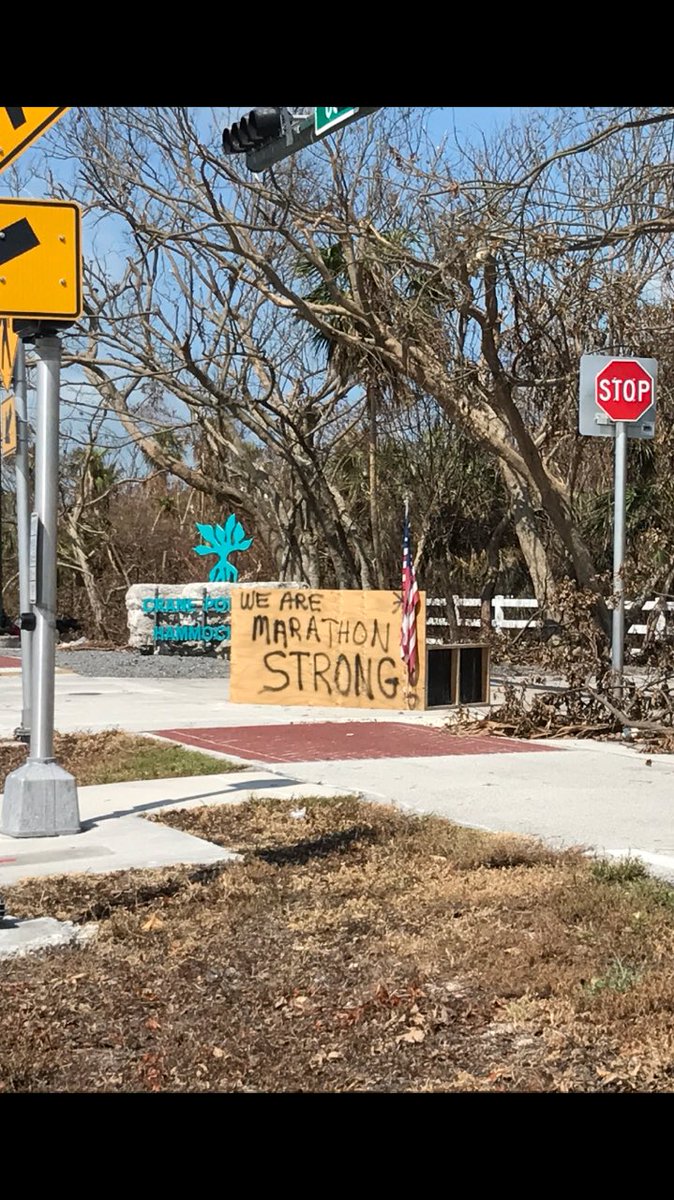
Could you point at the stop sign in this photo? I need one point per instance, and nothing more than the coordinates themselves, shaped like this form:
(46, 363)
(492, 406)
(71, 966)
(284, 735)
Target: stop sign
(624, 390)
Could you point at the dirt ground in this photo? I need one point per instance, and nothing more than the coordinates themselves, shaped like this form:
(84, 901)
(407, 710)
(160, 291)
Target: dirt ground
(352, 948)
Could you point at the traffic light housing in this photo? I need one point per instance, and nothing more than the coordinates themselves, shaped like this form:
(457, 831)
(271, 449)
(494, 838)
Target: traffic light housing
(258, 127)
(268, 135)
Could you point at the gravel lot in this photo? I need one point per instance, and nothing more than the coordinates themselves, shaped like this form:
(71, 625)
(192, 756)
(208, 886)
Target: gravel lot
(128, 664)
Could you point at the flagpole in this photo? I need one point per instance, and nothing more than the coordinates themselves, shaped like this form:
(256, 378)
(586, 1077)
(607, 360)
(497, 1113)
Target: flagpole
(408, 632)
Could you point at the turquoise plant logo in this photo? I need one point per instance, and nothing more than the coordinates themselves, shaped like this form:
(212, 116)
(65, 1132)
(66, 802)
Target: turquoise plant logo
(223, 540)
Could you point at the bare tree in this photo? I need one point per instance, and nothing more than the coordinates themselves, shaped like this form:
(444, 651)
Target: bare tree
(474, 278)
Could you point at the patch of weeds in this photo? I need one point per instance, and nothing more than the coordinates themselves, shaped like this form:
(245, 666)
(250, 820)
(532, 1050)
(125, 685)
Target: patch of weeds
(506, 853)
(319, 847)
(659, 892)
(114, 756)
(619, 977)
(145, 758)
(351, 948)
(618, 870)
(521, 1009)
(264, 827)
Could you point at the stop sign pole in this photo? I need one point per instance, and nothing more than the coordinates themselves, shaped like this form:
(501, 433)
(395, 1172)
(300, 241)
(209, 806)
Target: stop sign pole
(617, 400)
(619, 490)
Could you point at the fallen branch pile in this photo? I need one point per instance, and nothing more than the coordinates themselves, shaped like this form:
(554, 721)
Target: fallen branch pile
(645, 714)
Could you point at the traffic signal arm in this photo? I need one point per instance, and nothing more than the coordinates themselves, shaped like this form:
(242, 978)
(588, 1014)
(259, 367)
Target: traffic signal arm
(266, 127)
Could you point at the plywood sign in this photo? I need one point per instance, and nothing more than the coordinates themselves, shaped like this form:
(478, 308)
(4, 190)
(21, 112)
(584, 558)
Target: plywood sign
(297, 646)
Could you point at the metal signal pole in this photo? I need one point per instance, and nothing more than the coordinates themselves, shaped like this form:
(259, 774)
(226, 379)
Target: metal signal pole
(23, 537)
(4, 622)
(40, 798)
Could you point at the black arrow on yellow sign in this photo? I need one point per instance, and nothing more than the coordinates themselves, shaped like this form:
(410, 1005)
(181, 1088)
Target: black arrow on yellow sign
(8, 341)
(16, 116)
(8, 426)
(19, 126)
(15, 239)
(5, 349)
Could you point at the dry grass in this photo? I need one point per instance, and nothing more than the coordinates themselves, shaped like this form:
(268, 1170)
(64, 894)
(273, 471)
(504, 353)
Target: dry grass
(352, 949)
(116, 757)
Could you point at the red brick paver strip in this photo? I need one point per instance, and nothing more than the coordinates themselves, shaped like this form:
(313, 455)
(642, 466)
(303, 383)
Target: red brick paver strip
(319, 741)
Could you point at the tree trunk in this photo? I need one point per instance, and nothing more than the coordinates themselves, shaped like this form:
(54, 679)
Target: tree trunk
(499, 427)
(90, 586)
(534, 551)
(377, 565)
(310, 559)
(487, 594)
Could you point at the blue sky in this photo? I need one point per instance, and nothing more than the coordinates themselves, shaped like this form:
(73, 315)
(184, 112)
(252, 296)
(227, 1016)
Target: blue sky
(469, 123)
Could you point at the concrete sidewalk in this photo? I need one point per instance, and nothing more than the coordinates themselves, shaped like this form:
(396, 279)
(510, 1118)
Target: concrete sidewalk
(600, 795)
(116, 837)
(140, 705)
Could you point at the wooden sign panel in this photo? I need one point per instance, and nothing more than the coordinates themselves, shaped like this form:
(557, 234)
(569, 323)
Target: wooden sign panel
(342, 648)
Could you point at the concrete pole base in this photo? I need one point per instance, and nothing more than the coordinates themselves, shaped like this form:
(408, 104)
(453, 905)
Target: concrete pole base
(40, 800)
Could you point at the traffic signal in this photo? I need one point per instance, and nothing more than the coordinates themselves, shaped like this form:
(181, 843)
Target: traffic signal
(259, 126)
(268, 135)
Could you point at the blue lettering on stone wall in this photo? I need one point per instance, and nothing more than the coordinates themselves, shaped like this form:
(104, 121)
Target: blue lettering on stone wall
(217, 604)
(183, 604)
(168, 604)
(191, 633)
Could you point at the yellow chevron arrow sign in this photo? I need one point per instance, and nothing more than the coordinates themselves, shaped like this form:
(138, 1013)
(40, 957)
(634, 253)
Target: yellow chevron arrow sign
(40, 259)
(8, 344)
(19, 127)
(8, 426)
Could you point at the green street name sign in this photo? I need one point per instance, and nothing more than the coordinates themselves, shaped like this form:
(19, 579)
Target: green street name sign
(328, 118)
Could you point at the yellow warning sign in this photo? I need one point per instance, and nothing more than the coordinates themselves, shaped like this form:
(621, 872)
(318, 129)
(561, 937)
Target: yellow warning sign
(40, 259)
(19, 127)
(8, 344)
(8, 426)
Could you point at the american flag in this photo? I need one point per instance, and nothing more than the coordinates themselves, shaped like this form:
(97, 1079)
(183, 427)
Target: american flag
(410, 601)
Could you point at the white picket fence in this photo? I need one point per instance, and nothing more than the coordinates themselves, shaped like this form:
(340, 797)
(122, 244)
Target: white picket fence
(502, 604)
